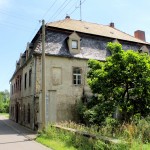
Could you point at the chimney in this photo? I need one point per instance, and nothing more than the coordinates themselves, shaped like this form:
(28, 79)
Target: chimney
(112, 25)
(67, 17)
(140, 35)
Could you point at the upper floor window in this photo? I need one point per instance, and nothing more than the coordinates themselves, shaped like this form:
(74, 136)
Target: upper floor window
(30, 77)
(25, 81)
(74, 44)
(144, 49)
(76, 76)
(12, 90)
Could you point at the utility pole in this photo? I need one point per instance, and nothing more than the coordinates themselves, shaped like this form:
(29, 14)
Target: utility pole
(43, 74)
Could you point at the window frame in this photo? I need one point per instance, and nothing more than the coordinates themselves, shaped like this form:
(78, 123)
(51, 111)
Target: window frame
(76, 44)
(28, 114)
(30, 77)
(76, 77)
(25, 80)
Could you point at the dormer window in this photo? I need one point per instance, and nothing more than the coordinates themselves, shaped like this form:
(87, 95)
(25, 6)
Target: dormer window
(74, 44)
(144, 49)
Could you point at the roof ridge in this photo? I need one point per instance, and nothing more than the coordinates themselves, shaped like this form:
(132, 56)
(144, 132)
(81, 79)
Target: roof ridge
(128, 34)
(83, 21)
(94, 28)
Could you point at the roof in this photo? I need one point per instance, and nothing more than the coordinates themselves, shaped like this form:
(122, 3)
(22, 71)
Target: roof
(94, 29)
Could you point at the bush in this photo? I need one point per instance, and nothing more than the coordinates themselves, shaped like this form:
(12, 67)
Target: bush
(143, 129)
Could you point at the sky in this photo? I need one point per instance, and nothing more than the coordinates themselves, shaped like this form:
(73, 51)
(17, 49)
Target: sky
(20, 20)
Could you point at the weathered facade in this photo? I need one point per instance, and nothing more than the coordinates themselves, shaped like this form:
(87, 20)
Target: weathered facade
(68, 45)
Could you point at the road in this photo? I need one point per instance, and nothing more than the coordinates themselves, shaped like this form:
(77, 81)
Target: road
(16, 137)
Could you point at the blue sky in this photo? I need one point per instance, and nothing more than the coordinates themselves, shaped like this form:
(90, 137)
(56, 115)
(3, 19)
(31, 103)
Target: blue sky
(19, 21)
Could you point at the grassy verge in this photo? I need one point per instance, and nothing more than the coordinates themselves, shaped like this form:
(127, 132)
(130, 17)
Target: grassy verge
(55, 144)
(134, 136)
(5, 115)
(59, 139)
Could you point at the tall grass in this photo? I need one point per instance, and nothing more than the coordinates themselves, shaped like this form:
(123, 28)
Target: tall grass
(134, 136)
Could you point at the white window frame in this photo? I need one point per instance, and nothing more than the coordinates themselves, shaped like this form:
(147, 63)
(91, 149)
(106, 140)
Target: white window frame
(74, 44)
(77, 77)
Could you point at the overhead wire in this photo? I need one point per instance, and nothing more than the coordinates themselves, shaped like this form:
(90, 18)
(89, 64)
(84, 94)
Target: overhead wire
(15, 27)
(62, 9)
(23, 18)
(77, 8)
(49, 8)
(74, 4)
(57, 10)
(63, 5)
(71, 12)
(46, 12)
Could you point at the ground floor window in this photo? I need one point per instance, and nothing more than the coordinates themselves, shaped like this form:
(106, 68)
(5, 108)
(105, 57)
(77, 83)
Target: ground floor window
(28, 113)
(24, 115)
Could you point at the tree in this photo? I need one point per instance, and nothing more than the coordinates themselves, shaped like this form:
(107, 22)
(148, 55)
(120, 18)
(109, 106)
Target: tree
(122, 82)
(4, 102)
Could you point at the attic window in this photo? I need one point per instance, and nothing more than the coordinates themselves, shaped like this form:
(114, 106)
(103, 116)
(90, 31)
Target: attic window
(74, 44)
(144, 49)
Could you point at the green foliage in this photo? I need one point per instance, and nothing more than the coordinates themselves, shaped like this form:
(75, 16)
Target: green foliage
(132, 136)
(69, 139)
(143, 130)
(121, 85)
(61, 139)
(4, 102)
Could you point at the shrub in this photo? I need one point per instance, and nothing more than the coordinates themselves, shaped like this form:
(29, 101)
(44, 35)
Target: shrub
(143, 129)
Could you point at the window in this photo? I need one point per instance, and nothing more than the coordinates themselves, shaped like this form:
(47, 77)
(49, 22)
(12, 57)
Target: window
(25, 81)
(20, 83)
(30, 77)
(12, 90)
(74, 44)
(76, 76)
(28, 113)
(24, 115)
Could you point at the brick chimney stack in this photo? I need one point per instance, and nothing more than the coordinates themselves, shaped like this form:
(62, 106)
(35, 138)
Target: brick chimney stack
(112, 25)
(140, 35)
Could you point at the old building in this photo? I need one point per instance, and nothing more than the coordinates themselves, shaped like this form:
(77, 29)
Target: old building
(69, 44)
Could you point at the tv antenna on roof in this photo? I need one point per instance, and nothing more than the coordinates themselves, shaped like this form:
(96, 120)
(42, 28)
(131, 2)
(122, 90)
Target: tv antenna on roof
(80, 11)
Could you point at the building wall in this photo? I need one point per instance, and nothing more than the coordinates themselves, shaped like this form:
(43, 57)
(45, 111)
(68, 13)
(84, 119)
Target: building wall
(15, 96)
(27, 106)
(22, 99)
(62, 95)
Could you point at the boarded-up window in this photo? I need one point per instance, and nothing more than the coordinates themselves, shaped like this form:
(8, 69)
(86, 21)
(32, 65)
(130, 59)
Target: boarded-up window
(56, 76)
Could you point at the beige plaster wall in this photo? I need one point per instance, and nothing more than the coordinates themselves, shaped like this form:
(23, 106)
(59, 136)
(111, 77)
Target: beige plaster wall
(62, 95)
